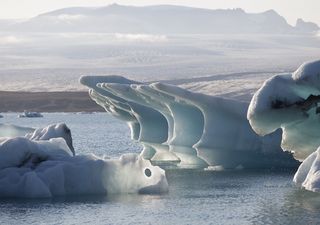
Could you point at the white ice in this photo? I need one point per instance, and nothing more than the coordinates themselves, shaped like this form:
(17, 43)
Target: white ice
(51, 131)
(42, 165)
(291, 102)
(308, 174)
(187, 129)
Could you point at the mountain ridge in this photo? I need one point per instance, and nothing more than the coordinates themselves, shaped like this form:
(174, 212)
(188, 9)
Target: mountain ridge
(161, 19)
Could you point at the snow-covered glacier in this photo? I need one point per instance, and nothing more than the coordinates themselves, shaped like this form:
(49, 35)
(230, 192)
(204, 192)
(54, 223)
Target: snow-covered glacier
(291, 102)
(186, 129)
(41, 163)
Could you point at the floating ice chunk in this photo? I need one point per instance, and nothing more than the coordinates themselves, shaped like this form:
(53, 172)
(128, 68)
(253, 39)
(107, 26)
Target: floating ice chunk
(308, 174)
(30, 114)
(19, 151)
(185, 128)
(40, 164)
(131, 173)
(53, 131)
(290, 102)
(182, 126)
(214, 168)
(46, 168)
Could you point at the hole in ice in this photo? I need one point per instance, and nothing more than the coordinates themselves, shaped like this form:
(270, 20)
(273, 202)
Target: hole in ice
(147, 172)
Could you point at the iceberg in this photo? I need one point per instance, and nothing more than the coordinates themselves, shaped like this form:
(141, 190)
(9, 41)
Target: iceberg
(27, 114)
(180, 128)
(308, 174)
(42, 164)
(291, 102)
(52, 131)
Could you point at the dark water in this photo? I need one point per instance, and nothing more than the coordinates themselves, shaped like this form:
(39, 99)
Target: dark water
(195, 197)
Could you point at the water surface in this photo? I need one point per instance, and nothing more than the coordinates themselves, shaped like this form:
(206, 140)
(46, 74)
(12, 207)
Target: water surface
(195, 197)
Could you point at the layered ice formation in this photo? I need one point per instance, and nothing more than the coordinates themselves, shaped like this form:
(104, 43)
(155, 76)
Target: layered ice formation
(291, 102)
(186, 129)
(42, 164)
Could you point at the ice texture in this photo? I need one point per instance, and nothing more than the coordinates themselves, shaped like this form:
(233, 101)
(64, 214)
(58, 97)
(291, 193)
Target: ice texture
(187, 129)
(51, 131)
(308, 174)
(42, 164)
(291, 102)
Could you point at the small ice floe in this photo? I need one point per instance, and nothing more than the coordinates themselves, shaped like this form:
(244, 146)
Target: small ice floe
(214, 168)
(42, 164)
(30, 114)
(84, 113)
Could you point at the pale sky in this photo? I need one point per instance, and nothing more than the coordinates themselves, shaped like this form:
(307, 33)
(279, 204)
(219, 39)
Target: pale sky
(290, 9)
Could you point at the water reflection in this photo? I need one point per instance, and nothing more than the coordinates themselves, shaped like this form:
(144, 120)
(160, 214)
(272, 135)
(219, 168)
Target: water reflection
(295, 207)
(305, 199)
(83, 199)
(195, 196)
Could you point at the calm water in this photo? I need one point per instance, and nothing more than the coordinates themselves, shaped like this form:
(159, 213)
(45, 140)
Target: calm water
(195, 197)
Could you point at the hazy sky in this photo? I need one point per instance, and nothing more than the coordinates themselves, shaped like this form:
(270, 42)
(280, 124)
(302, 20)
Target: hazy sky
(290, 9)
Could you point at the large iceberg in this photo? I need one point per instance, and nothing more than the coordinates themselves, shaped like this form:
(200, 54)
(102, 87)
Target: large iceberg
(42, 164)
(186, 129)
(291, 102)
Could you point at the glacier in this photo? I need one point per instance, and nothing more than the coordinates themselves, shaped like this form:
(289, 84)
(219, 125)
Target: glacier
(291, 102)
(180, 128)
(42, 164)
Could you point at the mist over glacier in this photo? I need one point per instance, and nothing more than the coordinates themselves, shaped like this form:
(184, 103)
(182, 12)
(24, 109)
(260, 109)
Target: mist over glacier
(66, 44)
(156, 19)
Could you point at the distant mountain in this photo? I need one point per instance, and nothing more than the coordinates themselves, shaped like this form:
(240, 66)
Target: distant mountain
(306, 27)
(160, 19)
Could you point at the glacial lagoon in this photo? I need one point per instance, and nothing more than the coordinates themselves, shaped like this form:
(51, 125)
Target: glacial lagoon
(195, 196)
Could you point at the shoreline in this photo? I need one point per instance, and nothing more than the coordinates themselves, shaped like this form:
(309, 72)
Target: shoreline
(78, 101)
